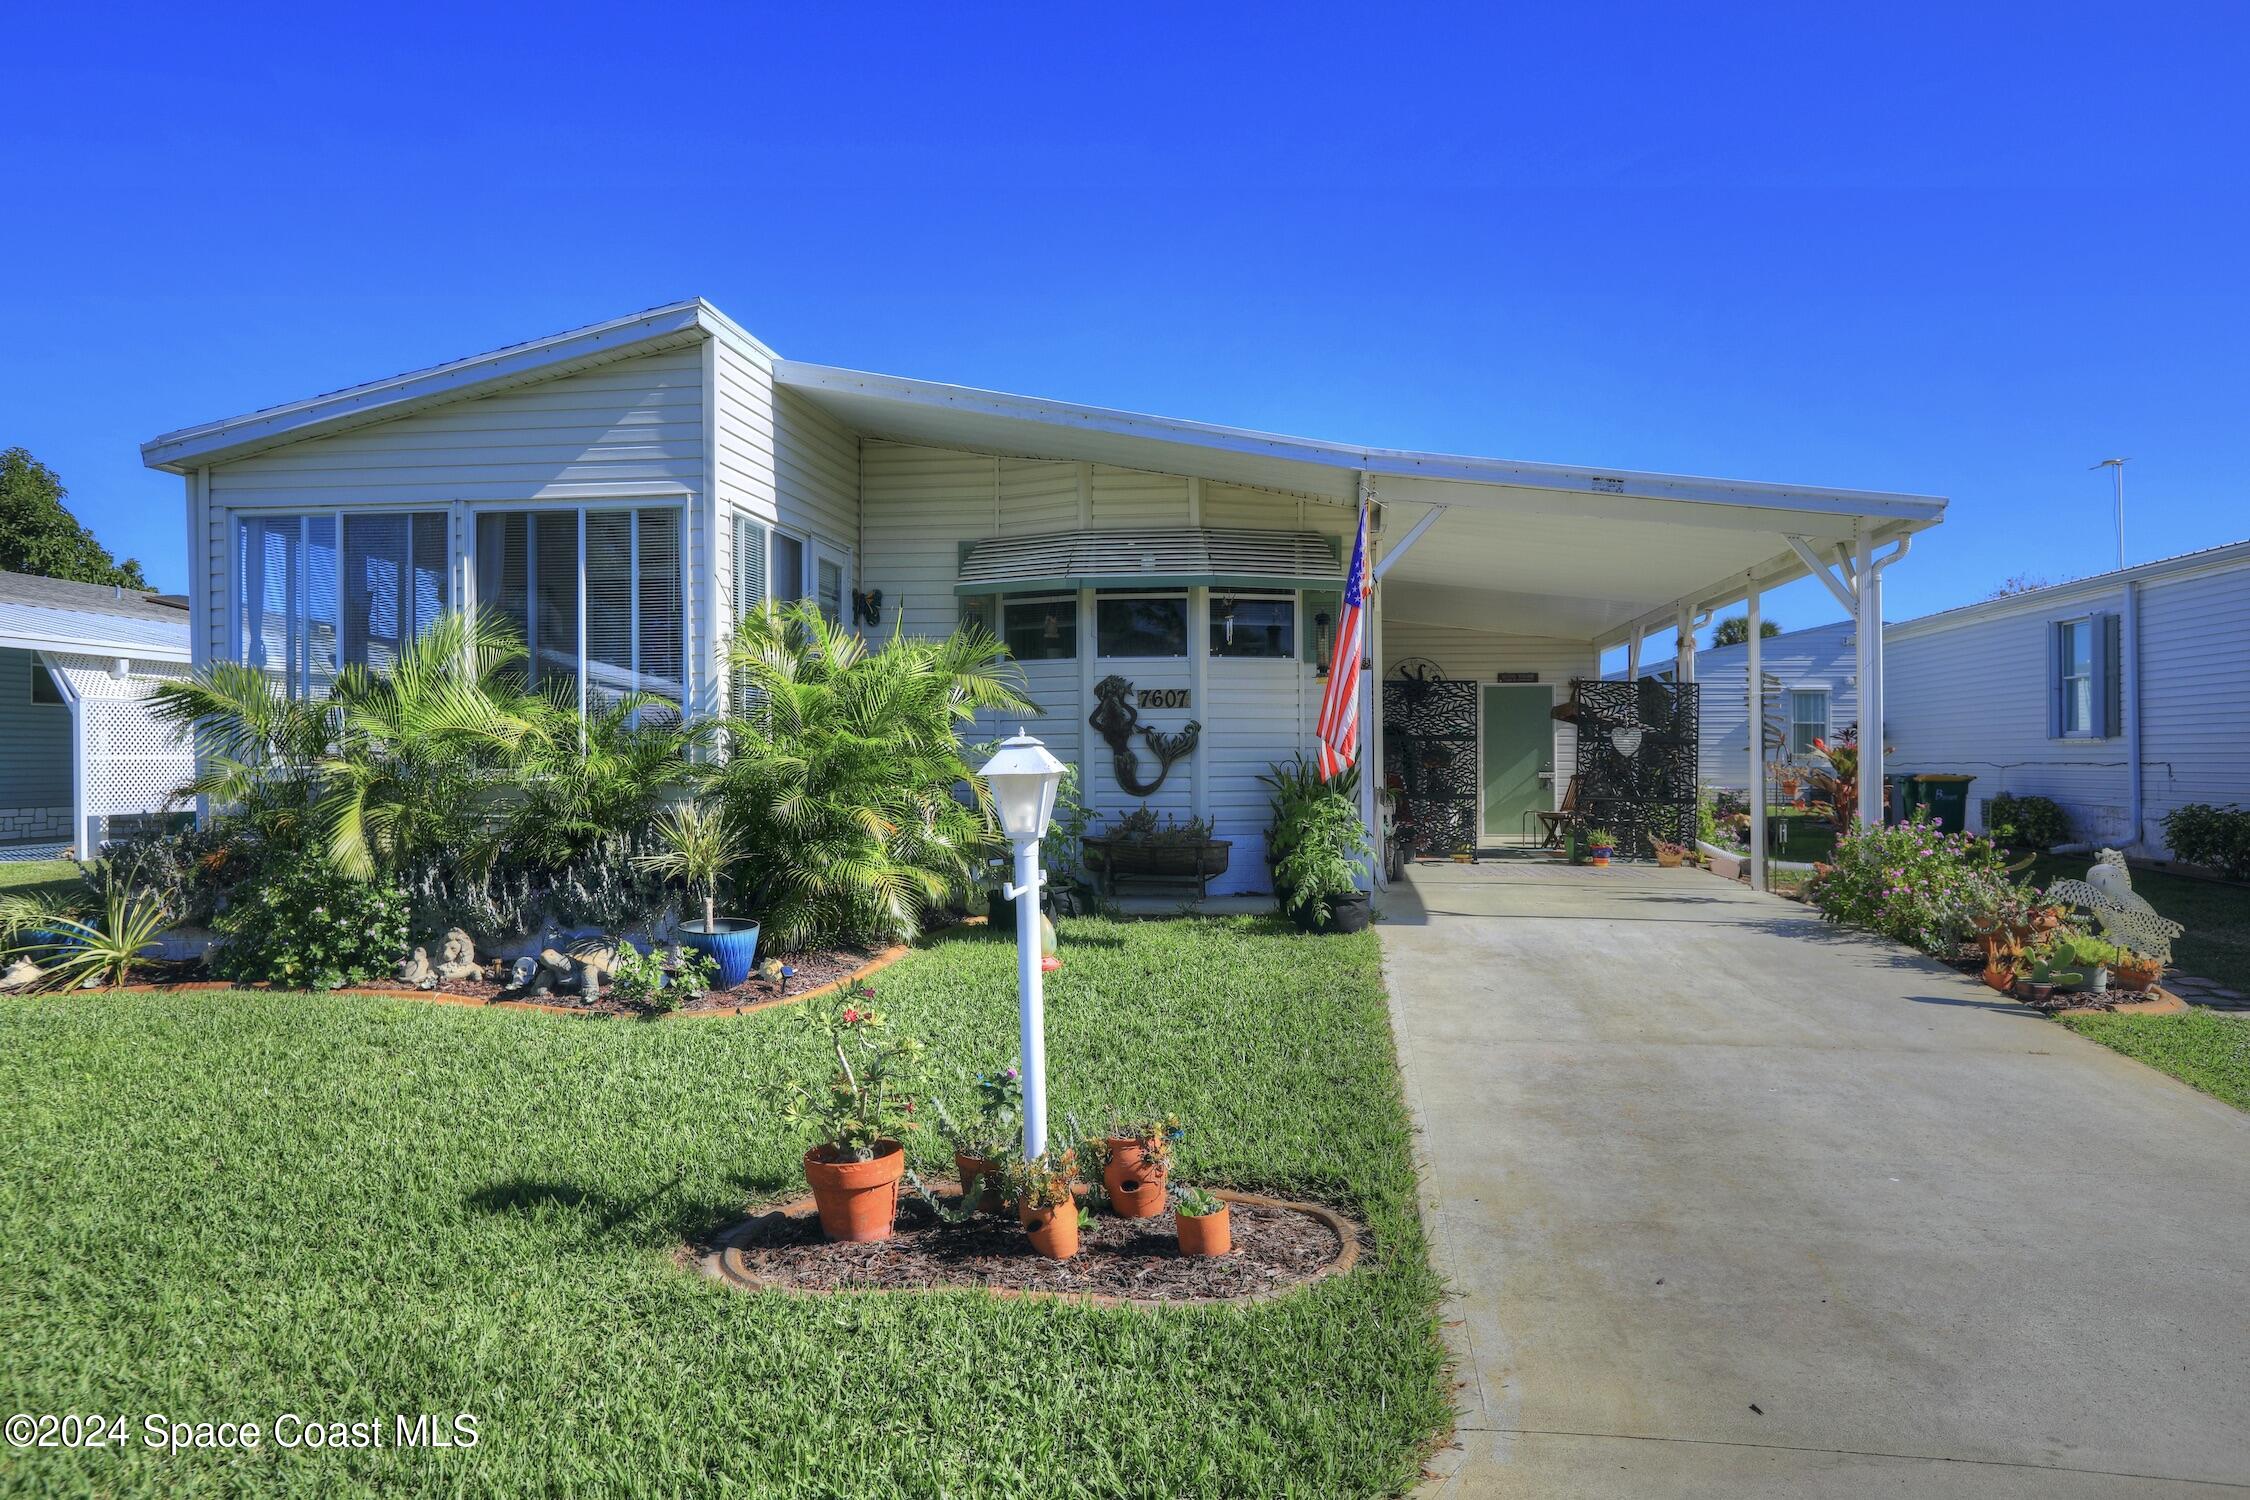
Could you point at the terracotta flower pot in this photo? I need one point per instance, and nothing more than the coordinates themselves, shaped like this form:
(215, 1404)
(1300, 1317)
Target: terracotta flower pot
(1053, 1230)
(987, 1175)
(1667, 859)
(2136, 974)
(2003, 980)
(1134, 1191)
(1206, 1234)
(858, 1200)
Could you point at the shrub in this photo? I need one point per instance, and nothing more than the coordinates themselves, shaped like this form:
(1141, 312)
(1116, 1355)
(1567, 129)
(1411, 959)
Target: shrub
(2218, 837)
(842, 773)
(302, 923)
(2027, 822)
(1324, 847)
(1912, 882)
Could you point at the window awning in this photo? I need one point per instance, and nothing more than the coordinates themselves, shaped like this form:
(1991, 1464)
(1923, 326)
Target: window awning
(1170, 557)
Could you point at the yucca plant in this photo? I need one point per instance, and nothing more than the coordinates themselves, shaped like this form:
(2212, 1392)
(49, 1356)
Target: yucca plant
(846, 773)
(72, 953)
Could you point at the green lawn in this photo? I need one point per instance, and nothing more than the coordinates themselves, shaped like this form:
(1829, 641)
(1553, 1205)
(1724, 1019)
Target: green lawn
(227, 1206)
(2206, 1048)
(2217, 942)
(28, 876)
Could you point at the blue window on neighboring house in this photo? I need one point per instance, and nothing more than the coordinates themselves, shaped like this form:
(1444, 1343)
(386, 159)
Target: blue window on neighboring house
(2084, 677)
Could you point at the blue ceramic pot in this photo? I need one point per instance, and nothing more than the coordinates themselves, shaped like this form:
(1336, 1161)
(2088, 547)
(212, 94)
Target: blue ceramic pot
(734, 947)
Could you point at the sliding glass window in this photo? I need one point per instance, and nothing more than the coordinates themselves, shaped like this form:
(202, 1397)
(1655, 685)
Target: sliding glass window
(304, 609)
(596, 594)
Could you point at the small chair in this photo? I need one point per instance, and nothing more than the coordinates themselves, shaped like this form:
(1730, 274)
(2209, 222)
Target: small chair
(1551, 823)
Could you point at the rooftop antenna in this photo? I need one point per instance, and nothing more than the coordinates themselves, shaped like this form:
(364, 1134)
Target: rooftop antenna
(2116, 466)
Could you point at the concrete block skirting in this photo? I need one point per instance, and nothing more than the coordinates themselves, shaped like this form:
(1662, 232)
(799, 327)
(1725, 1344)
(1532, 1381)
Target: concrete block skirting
(34, 823)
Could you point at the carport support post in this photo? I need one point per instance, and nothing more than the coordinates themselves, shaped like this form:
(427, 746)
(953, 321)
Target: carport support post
(1754, 684)
(1870, 686)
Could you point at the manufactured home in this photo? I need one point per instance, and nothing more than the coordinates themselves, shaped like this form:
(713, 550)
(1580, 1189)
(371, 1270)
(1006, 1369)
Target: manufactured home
(1811, 693)
(81, 756)
(2122, 696)
(621, 491)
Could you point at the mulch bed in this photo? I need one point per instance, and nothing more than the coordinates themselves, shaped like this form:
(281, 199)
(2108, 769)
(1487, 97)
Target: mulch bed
(1277, 1245)
(814, 970)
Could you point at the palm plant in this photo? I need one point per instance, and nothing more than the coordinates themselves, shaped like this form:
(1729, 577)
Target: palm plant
(576, 793)
(389, 764)
(697, 845)
(845, 772)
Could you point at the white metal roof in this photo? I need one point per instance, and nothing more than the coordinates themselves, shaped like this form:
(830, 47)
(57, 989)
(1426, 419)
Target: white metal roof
(2208, 559)
(54, 614)
(1545, 549)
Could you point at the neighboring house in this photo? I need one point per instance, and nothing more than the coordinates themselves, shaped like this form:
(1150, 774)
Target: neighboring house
(2120, 696)
(1812, 692)
(80, 756)
(622, 491)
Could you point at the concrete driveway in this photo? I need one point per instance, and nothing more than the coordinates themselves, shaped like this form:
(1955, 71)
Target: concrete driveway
(1736, 1204)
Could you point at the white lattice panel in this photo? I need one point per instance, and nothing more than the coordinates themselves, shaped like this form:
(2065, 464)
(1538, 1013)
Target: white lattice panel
(133, 763)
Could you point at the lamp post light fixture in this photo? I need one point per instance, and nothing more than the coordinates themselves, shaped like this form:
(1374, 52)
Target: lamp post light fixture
(1023, 778)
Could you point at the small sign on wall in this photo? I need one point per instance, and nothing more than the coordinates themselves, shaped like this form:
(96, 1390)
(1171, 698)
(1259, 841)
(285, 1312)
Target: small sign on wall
(1162, 697)
(1516, 676)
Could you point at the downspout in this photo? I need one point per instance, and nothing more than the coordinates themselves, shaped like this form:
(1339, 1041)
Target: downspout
(2132, 692)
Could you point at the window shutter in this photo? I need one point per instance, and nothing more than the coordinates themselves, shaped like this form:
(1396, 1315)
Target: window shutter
(2055, 679)
(2110, 678)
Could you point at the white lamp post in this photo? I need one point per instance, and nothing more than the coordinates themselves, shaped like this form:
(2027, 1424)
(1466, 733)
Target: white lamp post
(1024, 777)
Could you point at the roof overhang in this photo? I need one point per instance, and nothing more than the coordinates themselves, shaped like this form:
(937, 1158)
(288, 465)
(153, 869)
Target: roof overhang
(671, 326)
(1536, 549)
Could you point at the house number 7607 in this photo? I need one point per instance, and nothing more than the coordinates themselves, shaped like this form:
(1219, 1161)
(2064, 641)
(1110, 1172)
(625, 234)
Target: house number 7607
(1163, 697)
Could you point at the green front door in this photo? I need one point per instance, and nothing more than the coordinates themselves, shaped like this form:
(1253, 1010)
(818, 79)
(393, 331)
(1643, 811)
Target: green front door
(1518, 742)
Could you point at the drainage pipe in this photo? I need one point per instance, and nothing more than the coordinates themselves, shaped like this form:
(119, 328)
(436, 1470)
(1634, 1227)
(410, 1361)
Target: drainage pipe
(2132, 695)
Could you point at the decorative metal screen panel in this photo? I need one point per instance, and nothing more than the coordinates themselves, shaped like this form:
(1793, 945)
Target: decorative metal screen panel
(1636, 759)
(1430, 744)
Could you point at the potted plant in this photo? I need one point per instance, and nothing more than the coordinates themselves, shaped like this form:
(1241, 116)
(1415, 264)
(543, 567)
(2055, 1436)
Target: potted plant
(1201, 1223)
(1318, 879)
(1139, 845)
(982, 1146)
(1045, 1201)
(1600, 845)
(698, 845)
(1669, 856)
(2136, 971)
(1136, 1160)
(859, 1116)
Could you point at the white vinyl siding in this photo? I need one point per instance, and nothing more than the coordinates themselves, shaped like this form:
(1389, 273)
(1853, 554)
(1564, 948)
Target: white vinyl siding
(1976, 695)
(1823, 658)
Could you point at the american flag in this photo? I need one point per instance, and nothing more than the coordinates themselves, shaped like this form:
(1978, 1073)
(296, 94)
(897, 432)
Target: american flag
(1339, 706)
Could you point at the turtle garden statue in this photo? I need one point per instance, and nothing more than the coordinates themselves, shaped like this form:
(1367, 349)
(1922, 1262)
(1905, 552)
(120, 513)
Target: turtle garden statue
(2125, 918)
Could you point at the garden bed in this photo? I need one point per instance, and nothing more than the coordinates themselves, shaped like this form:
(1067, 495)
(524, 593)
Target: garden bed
(816, 973)
(1277, 1245)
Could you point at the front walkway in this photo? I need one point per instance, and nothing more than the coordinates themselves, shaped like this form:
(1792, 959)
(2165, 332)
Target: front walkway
(1736, 1204)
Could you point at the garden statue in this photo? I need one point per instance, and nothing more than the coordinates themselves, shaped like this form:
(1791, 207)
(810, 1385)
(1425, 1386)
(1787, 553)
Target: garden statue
(520, 977)
(770, 970)
(458, 957)
(21, 974)
(417, 971)
(2125, 918)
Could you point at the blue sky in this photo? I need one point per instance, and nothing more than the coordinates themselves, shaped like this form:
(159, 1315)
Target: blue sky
(1964, 252)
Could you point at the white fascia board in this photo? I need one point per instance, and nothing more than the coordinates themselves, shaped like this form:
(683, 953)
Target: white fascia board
(1382, 462)
(1771, 574)
(2078, 590)
(90, 646)
(458, 380)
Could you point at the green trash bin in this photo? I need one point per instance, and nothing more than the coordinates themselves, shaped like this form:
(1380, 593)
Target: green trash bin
(1946, 796)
